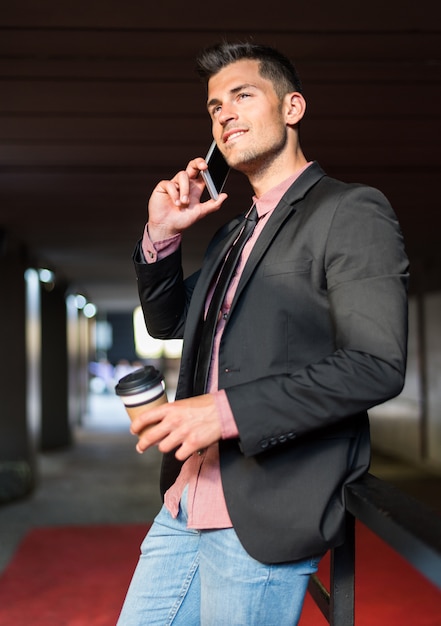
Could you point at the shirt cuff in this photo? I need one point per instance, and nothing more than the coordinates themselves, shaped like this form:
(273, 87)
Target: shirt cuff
(160, 249)
(228, 423)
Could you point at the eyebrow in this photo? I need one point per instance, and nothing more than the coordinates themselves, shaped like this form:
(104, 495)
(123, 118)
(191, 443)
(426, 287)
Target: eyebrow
(232, 92)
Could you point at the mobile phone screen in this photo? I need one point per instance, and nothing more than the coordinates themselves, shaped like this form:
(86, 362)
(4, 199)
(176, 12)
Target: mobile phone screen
(217, 172)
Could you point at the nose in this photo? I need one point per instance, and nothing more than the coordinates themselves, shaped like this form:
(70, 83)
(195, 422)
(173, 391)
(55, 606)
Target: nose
(227, 114)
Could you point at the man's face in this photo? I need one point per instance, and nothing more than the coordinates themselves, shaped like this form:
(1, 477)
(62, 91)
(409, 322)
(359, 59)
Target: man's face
(247, 117)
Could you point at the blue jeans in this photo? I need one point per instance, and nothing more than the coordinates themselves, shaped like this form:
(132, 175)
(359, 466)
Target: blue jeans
(188, 577)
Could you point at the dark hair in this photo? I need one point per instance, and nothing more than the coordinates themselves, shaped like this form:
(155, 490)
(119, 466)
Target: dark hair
(272, 64)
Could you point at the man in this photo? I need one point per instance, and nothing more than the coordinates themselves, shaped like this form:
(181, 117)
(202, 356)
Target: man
(311, 333)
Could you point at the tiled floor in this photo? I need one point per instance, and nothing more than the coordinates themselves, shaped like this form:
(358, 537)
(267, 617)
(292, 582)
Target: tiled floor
(102, 480)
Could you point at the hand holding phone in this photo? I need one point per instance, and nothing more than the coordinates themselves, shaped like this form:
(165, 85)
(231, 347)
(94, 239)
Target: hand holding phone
(217, 172)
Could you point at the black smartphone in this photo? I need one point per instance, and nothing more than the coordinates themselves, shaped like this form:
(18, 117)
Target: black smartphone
(217, 172)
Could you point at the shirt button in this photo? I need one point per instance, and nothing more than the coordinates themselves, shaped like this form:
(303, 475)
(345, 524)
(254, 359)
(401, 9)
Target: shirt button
(224, 316)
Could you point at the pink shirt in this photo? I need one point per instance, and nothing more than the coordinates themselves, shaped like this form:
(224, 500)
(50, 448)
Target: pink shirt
(201, 472)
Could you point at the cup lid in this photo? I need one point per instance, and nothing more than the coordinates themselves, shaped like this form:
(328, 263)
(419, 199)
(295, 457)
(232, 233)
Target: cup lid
(140, 380)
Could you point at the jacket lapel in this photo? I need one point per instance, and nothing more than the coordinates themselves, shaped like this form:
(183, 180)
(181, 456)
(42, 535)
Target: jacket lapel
(283, 212)
(214, 256)
(217, 250)
(224, 238)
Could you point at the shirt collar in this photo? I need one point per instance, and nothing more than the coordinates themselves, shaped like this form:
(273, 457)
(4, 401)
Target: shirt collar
(271, 198)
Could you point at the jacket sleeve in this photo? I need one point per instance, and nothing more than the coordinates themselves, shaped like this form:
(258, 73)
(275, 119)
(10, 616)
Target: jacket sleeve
(163, 294)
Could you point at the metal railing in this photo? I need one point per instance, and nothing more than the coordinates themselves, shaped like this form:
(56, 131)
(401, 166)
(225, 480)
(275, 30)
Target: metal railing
(405, 524)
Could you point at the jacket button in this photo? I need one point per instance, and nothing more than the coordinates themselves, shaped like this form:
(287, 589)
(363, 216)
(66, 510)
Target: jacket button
(264, 444)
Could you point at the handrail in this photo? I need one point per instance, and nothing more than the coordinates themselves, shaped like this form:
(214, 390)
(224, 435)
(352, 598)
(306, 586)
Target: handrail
(404, 523)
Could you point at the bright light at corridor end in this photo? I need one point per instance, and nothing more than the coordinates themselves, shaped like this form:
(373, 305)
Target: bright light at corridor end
(149, 348)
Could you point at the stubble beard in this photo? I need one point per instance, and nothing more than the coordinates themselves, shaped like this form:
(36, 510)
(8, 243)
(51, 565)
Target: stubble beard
(256, 162)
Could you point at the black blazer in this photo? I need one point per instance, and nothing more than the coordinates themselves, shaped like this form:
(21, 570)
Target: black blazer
(316, 336)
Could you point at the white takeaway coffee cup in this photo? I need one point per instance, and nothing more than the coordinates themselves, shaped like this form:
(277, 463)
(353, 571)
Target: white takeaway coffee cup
(144, 386)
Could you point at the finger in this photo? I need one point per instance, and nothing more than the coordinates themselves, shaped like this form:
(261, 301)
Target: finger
(147, 417)
(184, 447)
(193, 442)
(183, 179)
(151, 436)
(182, 187)
(210, 206)
(195, 166)
(170, 188)
(185, 451)
(177, 188)
(155, 426)
(214, 205)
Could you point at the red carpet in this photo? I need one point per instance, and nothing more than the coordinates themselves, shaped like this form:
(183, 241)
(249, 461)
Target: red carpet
(388, 591)
(70, 576)
(78, 576)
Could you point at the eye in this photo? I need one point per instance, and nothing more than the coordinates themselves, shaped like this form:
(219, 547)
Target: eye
(215, 110)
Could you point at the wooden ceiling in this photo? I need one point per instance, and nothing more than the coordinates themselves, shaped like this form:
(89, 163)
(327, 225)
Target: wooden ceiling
(99, 101)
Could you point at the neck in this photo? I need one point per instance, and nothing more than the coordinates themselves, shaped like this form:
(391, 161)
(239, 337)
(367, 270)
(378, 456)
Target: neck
(279, 170)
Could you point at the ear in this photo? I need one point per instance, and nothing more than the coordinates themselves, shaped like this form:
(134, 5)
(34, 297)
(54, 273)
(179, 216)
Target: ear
(294, 107)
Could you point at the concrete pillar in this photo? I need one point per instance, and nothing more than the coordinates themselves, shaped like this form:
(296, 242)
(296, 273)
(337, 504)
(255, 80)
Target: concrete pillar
(55, 426)
(18, 438)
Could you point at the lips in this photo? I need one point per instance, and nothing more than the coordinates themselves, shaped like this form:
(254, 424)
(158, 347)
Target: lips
(232, 134)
